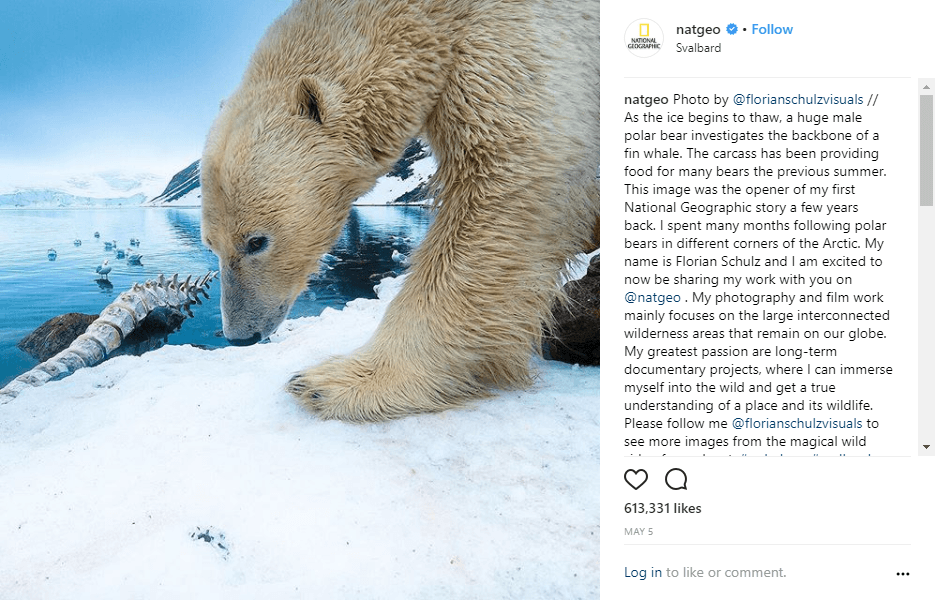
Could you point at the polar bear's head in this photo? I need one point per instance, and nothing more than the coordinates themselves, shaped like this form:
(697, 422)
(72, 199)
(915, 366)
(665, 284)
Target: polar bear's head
(331, 97)
(279, 173)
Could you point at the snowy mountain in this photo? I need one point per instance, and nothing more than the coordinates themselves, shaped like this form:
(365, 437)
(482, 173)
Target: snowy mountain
(184, 188)
(407, 182)
(98, 189)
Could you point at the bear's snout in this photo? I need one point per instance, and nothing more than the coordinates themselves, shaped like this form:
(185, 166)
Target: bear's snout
(249, 313)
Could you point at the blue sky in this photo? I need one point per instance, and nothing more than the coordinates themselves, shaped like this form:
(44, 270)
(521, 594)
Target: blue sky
(118, 84)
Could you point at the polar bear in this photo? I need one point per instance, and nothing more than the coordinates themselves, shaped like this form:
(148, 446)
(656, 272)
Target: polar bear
(507, 95)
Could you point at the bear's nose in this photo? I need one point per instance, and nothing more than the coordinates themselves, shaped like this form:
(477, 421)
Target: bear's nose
(245, 341)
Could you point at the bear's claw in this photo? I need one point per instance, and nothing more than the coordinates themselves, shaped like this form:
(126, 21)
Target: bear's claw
(297, 387)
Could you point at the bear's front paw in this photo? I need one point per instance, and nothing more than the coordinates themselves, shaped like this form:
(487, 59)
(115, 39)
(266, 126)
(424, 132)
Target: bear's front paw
(353, 389)
(345, 389)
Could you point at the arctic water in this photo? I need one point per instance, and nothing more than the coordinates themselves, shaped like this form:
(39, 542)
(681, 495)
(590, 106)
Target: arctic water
(35, 288)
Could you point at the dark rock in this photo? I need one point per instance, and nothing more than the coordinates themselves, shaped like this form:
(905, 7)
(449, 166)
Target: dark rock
(417, 194)
(59, 332)
(575, 336)
(55, 335)
(161, 321)
(152, 332)
(413, 152)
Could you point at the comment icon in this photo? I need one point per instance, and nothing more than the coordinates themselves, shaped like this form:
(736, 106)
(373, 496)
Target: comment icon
(676, 479)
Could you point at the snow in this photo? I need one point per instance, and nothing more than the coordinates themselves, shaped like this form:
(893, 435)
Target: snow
(186, 473)
(388, 188)
(188, 199)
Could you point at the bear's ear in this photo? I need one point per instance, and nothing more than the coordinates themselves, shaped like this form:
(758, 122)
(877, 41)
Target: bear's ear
(309, 97)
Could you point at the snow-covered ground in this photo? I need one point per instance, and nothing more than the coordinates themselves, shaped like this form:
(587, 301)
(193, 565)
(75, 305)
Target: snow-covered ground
(192, 474)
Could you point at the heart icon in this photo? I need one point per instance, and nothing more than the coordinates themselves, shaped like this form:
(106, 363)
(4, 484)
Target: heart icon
(636, 479)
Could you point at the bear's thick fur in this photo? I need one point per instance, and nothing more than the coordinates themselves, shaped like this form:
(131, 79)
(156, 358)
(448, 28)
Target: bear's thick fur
(506, 93)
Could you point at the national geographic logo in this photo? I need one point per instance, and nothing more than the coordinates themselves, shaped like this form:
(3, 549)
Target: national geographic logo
(644, 37)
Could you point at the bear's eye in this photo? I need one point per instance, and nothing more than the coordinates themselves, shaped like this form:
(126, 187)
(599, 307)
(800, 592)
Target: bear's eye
(256, 244)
